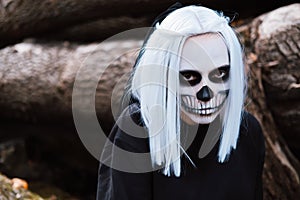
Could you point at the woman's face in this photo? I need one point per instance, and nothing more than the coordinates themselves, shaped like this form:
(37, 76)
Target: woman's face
(204, 78)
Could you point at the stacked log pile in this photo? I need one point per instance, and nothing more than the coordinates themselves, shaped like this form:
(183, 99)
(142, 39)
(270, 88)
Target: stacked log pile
(37, 76)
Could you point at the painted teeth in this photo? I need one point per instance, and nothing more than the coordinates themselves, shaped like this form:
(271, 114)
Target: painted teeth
(191, 104)
(202, 111)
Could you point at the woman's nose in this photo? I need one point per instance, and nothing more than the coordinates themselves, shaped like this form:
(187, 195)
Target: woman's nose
(205, 94)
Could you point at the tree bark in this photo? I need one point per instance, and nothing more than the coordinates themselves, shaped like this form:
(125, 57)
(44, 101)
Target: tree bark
(36, 80)
(265, 39)
(279, 34)
(98, 30)
(30, 18)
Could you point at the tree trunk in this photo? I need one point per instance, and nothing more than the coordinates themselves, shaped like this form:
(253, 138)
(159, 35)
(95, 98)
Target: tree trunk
(273, 56)
(30, 18)
(98, 30)
(281, 69)
(36, 80)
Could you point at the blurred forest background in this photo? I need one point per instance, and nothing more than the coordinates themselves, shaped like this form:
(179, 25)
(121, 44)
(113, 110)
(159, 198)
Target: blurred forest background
(44, 42)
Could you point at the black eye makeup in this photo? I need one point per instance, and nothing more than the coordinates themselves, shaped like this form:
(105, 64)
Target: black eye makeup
(192, 78)
(189, 77)
(220, 74)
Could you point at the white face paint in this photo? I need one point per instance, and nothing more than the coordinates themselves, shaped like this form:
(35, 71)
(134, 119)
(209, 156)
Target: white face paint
(204, 79)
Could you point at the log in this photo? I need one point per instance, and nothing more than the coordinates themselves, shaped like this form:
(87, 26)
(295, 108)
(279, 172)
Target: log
(279, 33)
(36, 80)
(27, 18)
(264, 39)
(98, 30)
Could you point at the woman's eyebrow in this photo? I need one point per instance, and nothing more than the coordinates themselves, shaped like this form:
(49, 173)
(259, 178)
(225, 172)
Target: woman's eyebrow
(194, 72)
(227, 65)
(220, 67)
(197, 70)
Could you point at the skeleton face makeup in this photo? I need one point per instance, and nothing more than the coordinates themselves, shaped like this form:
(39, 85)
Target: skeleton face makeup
(204, 78)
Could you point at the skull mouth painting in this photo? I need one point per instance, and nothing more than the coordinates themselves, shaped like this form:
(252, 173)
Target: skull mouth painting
(194, 106)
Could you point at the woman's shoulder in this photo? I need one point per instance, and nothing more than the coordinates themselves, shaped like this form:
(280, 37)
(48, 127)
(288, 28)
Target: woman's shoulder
(249, 120)
(131, 113)
(129, 132)
(251, 131)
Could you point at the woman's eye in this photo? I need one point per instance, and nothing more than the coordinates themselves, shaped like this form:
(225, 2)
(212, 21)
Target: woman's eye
(189, 77)
(219, 75)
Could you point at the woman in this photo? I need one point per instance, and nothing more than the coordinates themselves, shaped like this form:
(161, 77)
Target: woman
(185, 127)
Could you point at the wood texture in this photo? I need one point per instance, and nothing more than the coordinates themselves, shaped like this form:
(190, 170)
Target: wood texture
(36, 80)
(264, 38)
(20, 19)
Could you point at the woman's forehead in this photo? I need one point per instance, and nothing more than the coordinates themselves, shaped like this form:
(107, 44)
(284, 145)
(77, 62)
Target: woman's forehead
(204, 52)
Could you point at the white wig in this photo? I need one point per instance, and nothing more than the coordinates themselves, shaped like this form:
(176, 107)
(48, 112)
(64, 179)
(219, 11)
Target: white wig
(155, 83)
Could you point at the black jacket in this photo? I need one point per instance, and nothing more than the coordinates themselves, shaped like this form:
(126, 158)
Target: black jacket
(238, 178)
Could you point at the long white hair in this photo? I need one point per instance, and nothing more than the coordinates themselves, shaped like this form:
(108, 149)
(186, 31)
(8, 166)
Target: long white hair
(155, 83)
